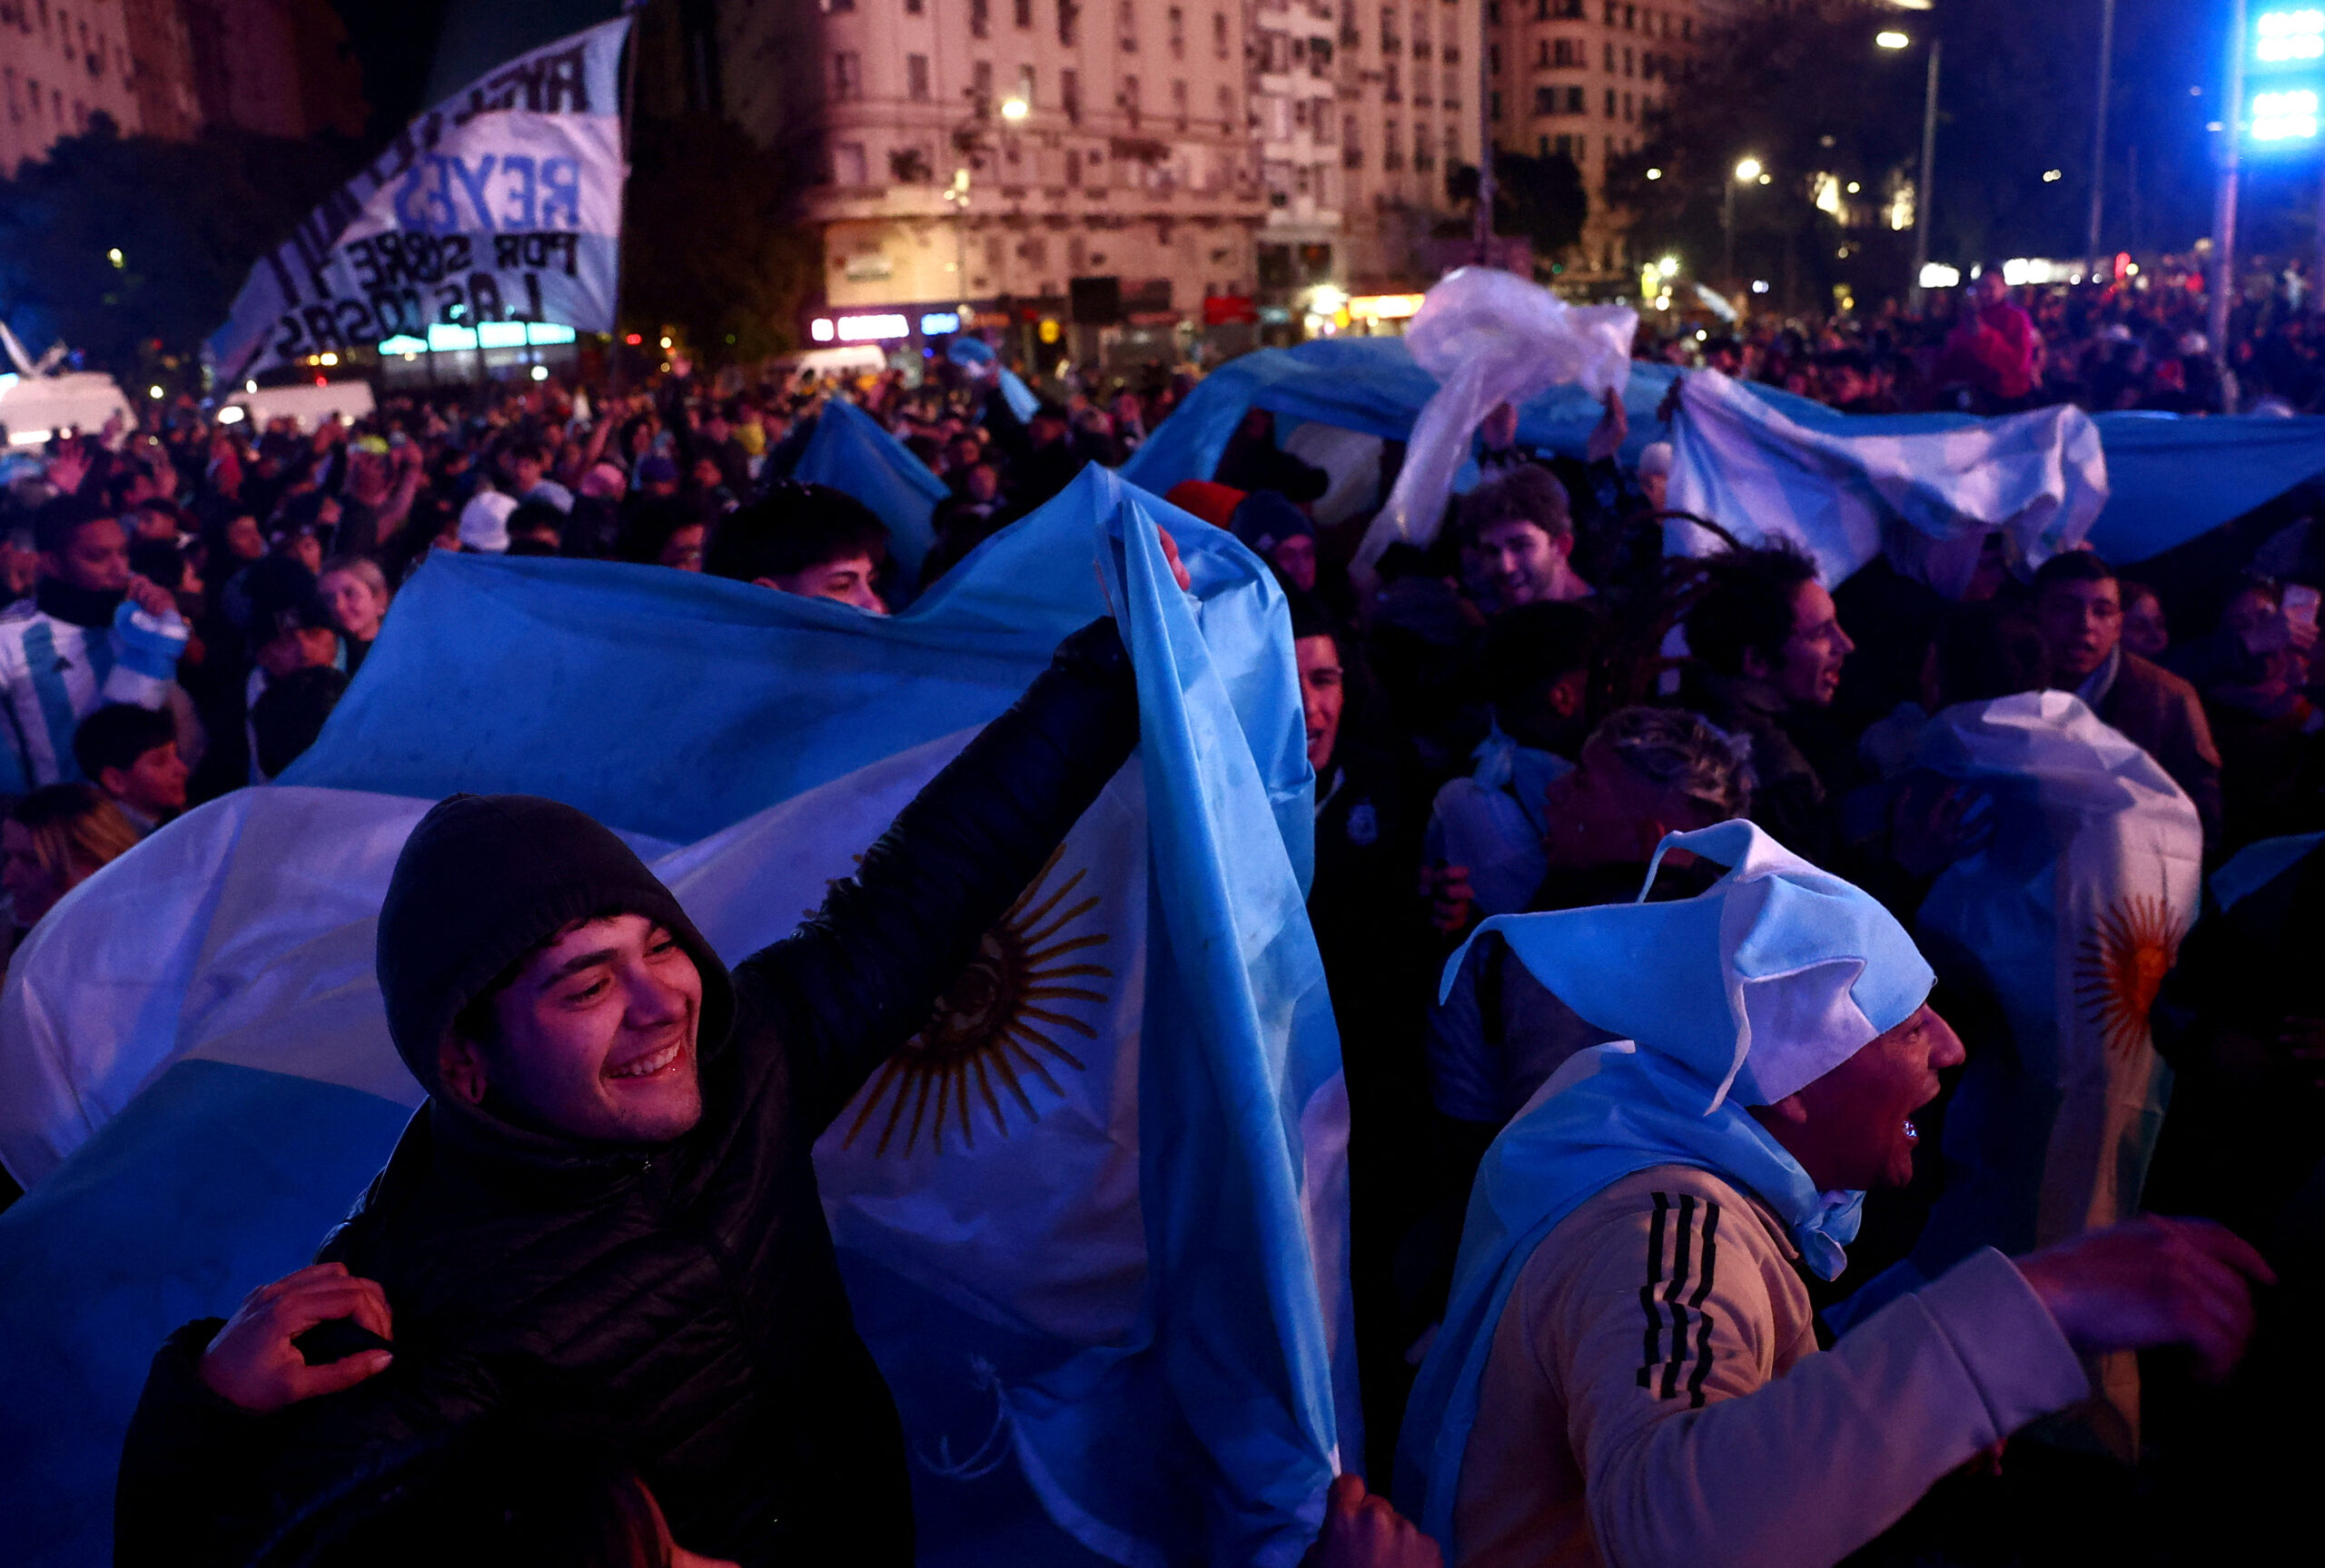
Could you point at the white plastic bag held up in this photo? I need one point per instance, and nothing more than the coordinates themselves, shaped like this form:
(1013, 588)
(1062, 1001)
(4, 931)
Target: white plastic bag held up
(1490, 338)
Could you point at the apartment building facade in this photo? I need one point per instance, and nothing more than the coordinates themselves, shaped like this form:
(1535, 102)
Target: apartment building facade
(167, 67)
(1360, 108)
(992, 152)
(1580, 77)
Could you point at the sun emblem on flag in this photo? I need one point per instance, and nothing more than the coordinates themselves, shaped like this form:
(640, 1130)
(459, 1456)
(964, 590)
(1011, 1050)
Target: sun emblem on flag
(997, 1026)
(2120, 966)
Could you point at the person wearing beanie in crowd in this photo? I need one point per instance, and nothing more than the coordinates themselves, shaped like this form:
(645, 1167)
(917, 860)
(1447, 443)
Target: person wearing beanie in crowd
(1280, 533)
(606, 1204)
(1629, 1369)
(92, 632)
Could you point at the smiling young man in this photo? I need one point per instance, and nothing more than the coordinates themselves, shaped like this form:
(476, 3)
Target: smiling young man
(606, 1211)
(1629, 1369)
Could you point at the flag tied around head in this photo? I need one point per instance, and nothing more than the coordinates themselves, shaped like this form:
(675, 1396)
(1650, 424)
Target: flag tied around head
(1092, 1217)
(1829, 485)
(498, 209)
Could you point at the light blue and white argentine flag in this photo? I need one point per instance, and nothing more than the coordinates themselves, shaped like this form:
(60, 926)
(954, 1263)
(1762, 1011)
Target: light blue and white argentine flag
(1748, 465)
(1093, 1218)
(2069, 919)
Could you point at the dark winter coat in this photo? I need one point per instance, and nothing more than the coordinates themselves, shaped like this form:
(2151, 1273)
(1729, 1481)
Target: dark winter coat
(684, 1297)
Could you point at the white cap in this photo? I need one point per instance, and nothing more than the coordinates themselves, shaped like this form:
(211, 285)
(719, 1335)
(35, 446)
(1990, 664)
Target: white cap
(484, 522)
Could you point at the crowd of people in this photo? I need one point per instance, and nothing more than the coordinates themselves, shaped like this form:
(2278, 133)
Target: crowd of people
(1504, 725)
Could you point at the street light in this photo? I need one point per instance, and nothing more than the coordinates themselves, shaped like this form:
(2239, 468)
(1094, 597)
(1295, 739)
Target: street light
(1747, 172)
(1892, 39)
(1014, 108)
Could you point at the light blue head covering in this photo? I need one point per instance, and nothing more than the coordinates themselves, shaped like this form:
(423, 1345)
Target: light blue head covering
(1767, 980)
(1760, 985)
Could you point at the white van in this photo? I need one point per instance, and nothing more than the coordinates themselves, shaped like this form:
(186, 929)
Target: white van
(304, 402)
(33, 408)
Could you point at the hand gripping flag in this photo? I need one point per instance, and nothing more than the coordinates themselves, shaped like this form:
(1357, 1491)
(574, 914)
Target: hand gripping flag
(1092, 1218)
(498, 209)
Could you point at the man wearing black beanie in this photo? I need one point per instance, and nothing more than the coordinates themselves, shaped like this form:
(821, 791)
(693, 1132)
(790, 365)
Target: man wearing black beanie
(605, 1215)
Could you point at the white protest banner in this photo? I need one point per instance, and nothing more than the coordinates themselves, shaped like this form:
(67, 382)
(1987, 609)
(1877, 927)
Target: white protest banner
(498, 207)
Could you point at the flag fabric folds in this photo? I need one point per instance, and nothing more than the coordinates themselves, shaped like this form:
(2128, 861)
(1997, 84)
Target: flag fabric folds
(1741, 461)
(851, 451)
(2169, 478)
(498, 209)
(1095, 1239)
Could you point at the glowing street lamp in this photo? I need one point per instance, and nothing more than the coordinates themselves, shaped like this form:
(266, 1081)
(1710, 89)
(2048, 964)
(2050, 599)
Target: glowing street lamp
(1892, 39)
(1747, 172)
(1014, 109)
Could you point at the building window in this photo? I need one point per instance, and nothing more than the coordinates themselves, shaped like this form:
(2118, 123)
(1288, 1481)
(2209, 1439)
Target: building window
(1611, 59)
(1546, 101)
(1069, 22)
(1227, 109)
(1069, 94)
(1493, 13)
(1025, 86)
(980, 18)
(914, 7)
(1630, 17)
(1451, 96)
(1570, 56)
(1627, 106)
(1127, 19)
(1179, 102)
(1219, 34)
(1390, 43)
(1542, 54)
(1493, 107)
(848, 77)
(1392, 89)
(1393, 147)
(848, 166)
(1177, 17)
(1130, 101)
(1493, 59)
(917, 78)
(1074, 166)
(1627, 63)
(981, 86)
(1352, 144)
(1024, 14)
(1613, 105)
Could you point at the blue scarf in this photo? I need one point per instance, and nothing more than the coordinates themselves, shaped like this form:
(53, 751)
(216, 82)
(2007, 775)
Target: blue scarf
(1611, 1112)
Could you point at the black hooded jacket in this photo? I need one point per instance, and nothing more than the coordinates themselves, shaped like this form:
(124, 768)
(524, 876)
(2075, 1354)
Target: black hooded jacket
(684, 1297)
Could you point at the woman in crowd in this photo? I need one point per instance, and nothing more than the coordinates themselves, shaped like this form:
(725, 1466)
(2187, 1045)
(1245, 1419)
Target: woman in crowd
(56, 839)
(357, 592)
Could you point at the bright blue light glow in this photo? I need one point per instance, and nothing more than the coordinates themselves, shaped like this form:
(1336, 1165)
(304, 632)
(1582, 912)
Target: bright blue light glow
(501, 334)
(403, 344)
(2286, 116)
(2288, 37)
(542, 332)
(936, 321)
(441, 335)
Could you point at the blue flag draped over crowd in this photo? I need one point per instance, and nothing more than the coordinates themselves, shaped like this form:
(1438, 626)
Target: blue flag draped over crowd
(2171, 478)
(851, 451)
(1110, 1299)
